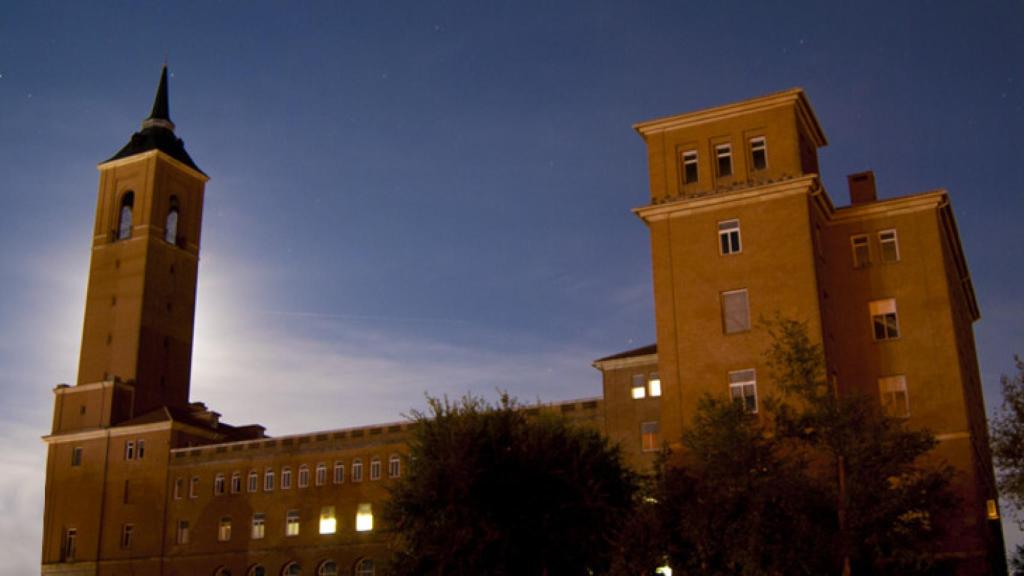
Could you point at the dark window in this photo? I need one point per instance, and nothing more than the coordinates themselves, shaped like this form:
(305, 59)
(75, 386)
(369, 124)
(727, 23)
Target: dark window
(729, 237)
(758, 153)
(171, 225)
(76, 456)
(861, 253)
(124, 221)
(689, 167)
(723, 153)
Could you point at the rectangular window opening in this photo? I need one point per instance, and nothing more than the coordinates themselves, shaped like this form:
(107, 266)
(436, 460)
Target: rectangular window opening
(76, 456)
(328, 522)
(723, 155)
(182, 533)
(224, 529)
(127, 536)
(653, 385)
(339, 472)
(638, 389)
(394, 466)
(690, 173)
(889, 246)
(758, 153)
(291, 527)
(364, 518)
(884, 321)
(729, 237)
(743, 389)
(259, 525)
(735, 312)
(893, 393)
(321, 474)
(861, 253)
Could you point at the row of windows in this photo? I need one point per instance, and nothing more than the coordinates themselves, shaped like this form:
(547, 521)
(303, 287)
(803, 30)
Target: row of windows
(888, 248)
(221, 486)
(133, 450)
(124, 219)
(645, 385)
(364, 567)
(328, 524)
(758, 159)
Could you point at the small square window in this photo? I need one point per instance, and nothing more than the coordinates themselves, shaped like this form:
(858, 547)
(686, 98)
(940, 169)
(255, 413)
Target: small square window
(650, 436)
(729, 237)
(690, 173)
(291, 527)
(884, 321)
(893, 393)
(76, 456)
(889, 246)
(861, 253)
(735, 312)
(639, 389)
(259, 525)
(653, 385)
(743, 389)
(723, 155)
(758, 153)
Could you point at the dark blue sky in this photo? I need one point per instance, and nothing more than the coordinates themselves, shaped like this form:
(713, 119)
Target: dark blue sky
(434, 196)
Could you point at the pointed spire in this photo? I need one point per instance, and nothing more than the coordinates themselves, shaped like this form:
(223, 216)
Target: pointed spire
(160, 116)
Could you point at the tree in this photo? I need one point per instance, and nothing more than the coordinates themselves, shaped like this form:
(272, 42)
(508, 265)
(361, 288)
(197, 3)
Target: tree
(492, 490)
(1008, 448)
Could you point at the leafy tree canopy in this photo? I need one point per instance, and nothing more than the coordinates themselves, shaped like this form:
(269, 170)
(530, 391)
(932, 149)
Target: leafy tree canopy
(1008, 448)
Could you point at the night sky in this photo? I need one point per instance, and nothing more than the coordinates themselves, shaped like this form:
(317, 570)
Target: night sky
(412, 197)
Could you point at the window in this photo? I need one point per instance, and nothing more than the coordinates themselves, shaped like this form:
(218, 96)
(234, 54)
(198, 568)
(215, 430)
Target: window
(76, 456)
(181, 537)
(638, 389)
(861, 253)
(893, 392)
(141, 450)
(257, 570)
(689, 167)
(375, 468)
(364, 518)
(328, 568)
(286, 478)
(328, 523)
(224, 529)
(171, 225)
(193, 487)
(883, 319)
(129, 450)
(303, 476)
(127, 536)
(124, 220)
(70, 542)
(292, 569)
(259, 526)
(254, 480)
(729, 237)
(743, 389)
(357, 470)
(179, 484)
(653, 385)
(365, 567)
(236, 482)
(889, 246)
(758, 153)
(339, 472)
(218, 484)
(268, 480)
(650, 438)
(735, 312)
(291, 526)
(321, 474)
(394, 466)
(723, 154)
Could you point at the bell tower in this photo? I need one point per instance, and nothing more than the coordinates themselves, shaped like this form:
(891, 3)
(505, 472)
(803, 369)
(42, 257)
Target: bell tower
(140, 303)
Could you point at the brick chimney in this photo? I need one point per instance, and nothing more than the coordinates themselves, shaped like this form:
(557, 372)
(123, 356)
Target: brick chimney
(862, 187)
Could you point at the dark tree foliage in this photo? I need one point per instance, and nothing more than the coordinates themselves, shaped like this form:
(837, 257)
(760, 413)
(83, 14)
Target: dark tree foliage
(491, 490)
(1008, 448)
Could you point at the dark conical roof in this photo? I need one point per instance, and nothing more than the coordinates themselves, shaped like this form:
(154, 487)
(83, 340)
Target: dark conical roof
(157, 131)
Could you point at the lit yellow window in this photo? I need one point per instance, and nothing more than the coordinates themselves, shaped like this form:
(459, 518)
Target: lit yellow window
(364, 518)
(328, 523)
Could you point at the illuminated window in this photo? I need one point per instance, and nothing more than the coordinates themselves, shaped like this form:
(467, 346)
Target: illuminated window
(889, 246)
(259, 526)
(328, 568)
(357, 470)
(893, 393)
(365, 567)
(171, 225)
(193, 487)
(218, 484)
(339, 472)
(394, 466)
(328, 523)
(884, 322)
(291, 526)
(129, 450)
(723, 155)
(268, 480)
(127, 536)
(650, 437)
(124, 221)
(76, 456)
(375, 468)
(758, 153)
(743, 389)
(224, 529)
(236, 482)
(992, 509)
(729, 237)
(257, 570)
(639, 388)
(303, 476)
(70, 545)
(292, 569)
(179, 484)
(689, 167)
(654, 385)
(364, 518)
(182, 534)
(861, 253)
(286, 478)
(321, 474)
(735, 312)
(254, 480)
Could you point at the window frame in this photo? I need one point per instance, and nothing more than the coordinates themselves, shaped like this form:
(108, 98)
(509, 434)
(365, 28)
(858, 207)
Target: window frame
(126, 207)
(69, 547)
(258, 526)
(689, 158)
(394, 466)
(375, 468)
(181, 533)
(127, 536)
(224, 529)
(725, 319)
(339, 472)
(171, 221)
(894, 242)
(723, 152)
(219, 484)
(364, 517)
(76, 456)
(654, 385)
(253, 482)
(193, 487)
(860, 241)
(268, 480)
(735, 383)
(754, 149)
(730, 239)
(357, 469)
(889, 389)
(129, 449)
(650, 436)
(292, 523)
(236, 482)
(286, 478)
(883, 309)
(328, 521)
(304, 476)
(321, 474)
(638, 389)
